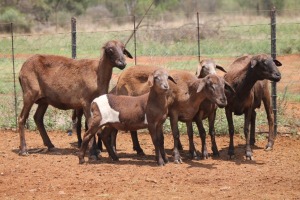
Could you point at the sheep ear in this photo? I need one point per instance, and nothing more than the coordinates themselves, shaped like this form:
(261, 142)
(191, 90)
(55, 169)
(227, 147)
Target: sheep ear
(253, 63)
(171, 79)
(127, 53)
(150, 80)
(277, 63)
(229, 88)
(200, 86)
(221, 68)
(198, 72)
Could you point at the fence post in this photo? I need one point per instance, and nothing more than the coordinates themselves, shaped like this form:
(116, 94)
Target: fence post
(134, 38)
(73, 35)
(273, 54)
(198, 30)
(14, 71)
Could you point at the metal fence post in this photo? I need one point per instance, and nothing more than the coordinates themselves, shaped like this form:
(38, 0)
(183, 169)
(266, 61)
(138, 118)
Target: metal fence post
(198, 30)
(73, 35)
(273, 54)
(14, 71)
(134, 38)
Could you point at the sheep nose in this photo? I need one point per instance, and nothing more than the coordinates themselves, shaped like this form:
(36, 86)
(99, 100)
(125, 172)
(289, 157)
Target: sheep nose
(165, 86)
(278, 74)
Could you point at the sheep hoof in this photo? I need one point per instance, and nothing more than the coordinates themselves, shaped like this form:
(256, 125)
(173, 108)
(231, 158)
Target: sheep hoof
(268, 148)
(230, 154)
(205, 155)
(249, 155)
(93, 158)
(140, 153)
(23, 153)
(161, 163)
(231, 157)
(194, 155)
(216, 152)
(81, 161)
(115, 159)
(178, 161)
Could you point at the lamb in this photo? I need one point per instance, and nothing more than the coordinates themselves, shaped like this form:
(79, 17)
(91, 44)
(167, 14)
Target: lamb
(65, 84)
(207, 109)
(246, 76)
(185, 98)
(145, 111)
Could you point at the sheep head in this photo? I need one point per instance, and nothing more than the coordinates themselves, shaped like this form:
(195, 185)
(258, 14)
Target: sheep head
(116, 52)
(159, 78)
(208, 66)
(213, 87)
(265, 67)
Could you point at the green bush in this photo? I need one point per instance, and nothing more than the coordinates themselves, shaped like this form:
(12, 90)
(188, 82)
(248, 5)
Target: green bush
(11, 15)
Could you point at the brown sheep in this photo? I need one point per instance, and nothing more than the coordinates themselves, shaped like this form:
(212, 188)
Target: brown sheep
(65, 83)
(184, 101)
(246, 76)
(132, 113)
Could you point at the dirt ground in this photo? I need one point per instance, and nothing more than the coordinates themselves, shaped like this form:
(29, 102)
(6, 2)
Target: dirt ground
(57, 174)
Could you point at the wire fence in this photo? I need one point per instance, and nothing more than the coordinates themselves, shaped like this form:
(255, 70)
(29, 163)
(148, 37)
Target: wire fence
(158, 41)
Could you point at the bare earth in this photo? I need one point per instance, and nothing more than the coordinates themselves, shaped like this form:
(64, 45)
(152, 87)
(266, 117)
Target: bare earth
(57, 174)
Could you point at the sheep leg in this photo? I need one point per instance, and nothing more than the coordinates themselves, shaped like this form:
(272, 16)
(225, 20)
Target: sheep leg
(39, 121)
(192, 149)
(161, 140)
(247, 134)
(231, 133)
(21, 121)
(99, 144)
(76, 119)
(270, 116)
(211, 121)
(105, 137)
(252, 128)
(180, 147)
(156, 142)
(136, 144)
(175, 131)
(113, 140)
(202, 134)
(86, 139)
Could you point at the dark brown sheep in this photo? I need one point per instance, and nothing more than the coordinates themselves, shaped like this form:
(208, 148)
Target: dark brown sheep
(246, 76)
(65, 84)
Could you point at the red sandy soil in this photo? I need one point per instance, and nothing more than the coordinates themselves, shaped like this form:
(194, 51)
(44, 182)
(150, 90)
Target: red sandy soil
(57, 174)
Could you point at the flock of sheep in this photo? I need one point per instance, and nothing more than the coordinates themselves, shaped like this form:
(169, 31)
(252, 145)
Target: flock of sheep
(144, 97)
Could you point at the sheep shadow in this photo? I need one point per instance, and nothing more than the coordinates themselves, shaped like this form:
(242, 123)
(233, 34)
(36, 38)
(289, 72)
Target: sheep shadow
(45, 151)
(149, 159)
(239, 157)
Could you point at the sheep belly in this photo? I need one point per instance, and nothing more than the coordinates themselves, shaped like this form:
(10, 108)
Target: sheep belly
(109, 115)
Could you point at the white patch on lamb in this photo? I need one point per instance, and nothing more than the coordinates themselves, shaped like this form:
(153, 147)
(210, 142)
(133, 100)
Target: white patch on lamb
(107, 112)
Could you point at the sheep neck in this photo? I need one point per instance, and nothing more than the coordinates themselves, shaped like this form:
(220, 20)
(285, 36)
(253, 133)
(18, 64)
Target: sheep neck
(247, 81)
(104, 74)
(159, 100)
